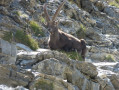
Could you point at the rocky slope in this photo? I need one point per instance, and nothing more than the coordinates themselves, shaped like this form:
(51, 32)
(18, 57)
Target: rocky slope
(22, 21)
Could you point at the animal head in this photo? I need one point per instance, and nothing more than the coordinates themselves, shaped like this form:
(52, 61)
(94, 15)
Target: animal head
(52, 24)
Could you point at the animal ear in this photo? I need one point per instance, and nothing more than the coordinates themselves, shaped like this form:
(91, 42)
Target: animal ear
(46, 13)
(58, 10)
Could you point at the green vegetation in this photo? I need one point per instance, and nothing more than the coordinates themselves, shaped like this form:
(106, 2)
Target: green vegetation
(26, 39)
(114, 3)
(109, 58)
(44, 85)
(73, 55)
(37, 30)
(17, 13)
(117, 1)
(81, 32)
(8, 36)
(21, 37)
(42, 19)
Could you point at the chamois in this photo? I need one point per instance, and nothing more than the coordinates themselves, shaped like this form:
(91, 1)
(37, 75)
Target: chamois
(61, 40)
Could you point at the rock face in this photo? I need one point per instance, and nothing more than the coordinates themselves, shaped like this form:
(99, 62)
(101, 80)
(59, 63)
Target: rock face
(72, 74)
(11, 77)
(54, 70)
(94, 20)
(8, 52)
(5, 3)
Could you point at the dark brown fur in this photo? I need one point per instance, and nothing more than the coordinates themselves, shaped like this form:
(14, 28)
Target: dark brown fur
(61, 40)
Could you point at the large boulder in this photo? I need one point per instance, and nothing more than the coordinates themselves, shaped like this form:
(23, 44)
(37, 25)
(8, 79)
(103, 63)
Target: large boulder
(8, 52)
(11, 77)
(74, 72)
(48, 82)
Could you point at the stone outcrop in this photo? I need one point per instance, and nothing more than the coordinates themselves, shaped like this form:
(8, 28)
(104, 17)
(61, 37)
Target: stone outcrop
(53, 66)
(11, 77)
(5, 3)
(49, 82)
(8, 52)
(94, 20)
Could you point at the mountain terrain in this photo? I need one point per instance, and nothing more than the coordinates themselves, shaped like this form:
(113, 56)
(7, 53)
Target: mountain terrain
(26, 61)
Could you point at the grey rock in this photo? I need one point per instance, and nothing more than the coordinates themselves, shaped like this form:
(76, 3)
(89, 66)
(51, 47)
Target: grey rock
(111, 11)
(48, 82)
(6, 47)
(4, 87)
(27, 4)
(5, 2)
(11, 77)
(3, 10)
(114, 80)
(8, 51)
(116, 68)
(88, 6)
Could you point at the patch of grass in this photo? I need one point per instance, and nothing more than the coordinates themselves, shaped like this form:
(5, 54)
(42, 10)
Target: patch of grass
(17, 13)
(42, 19)
(109, 58)
(8, 36)
(114, 3)
(37, 30)
(81, 32)
(21, 37)
(73, 55)
(43, 85)
(26, 39)
(117, 1)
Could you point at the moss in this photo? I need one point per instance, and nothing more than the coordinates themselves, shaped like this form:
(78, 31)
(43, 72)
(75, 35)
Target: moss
(43, 85)
(81, 33)
(36, 29)
(73, 55)
(26, 39)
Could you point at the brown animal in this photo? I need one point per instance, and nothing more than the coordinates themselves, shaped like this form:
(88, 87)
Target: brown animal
(61, 40)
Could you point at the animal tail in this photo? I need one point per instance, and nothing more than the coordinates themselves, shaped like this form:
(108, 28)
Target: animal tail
(84, 49)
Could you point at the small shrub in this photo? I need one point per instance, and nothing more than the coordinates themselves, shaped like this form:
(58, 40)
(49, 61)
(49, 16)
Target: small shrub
(73, 55)
(26, 39)
(109, 58)
(8, 36)
(36, 28)
(21, 37)
(81, 32)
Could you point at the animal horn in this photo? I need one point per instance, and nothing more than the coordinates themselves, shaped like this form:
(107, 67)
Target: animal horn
(46, 13)
(58, 10)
